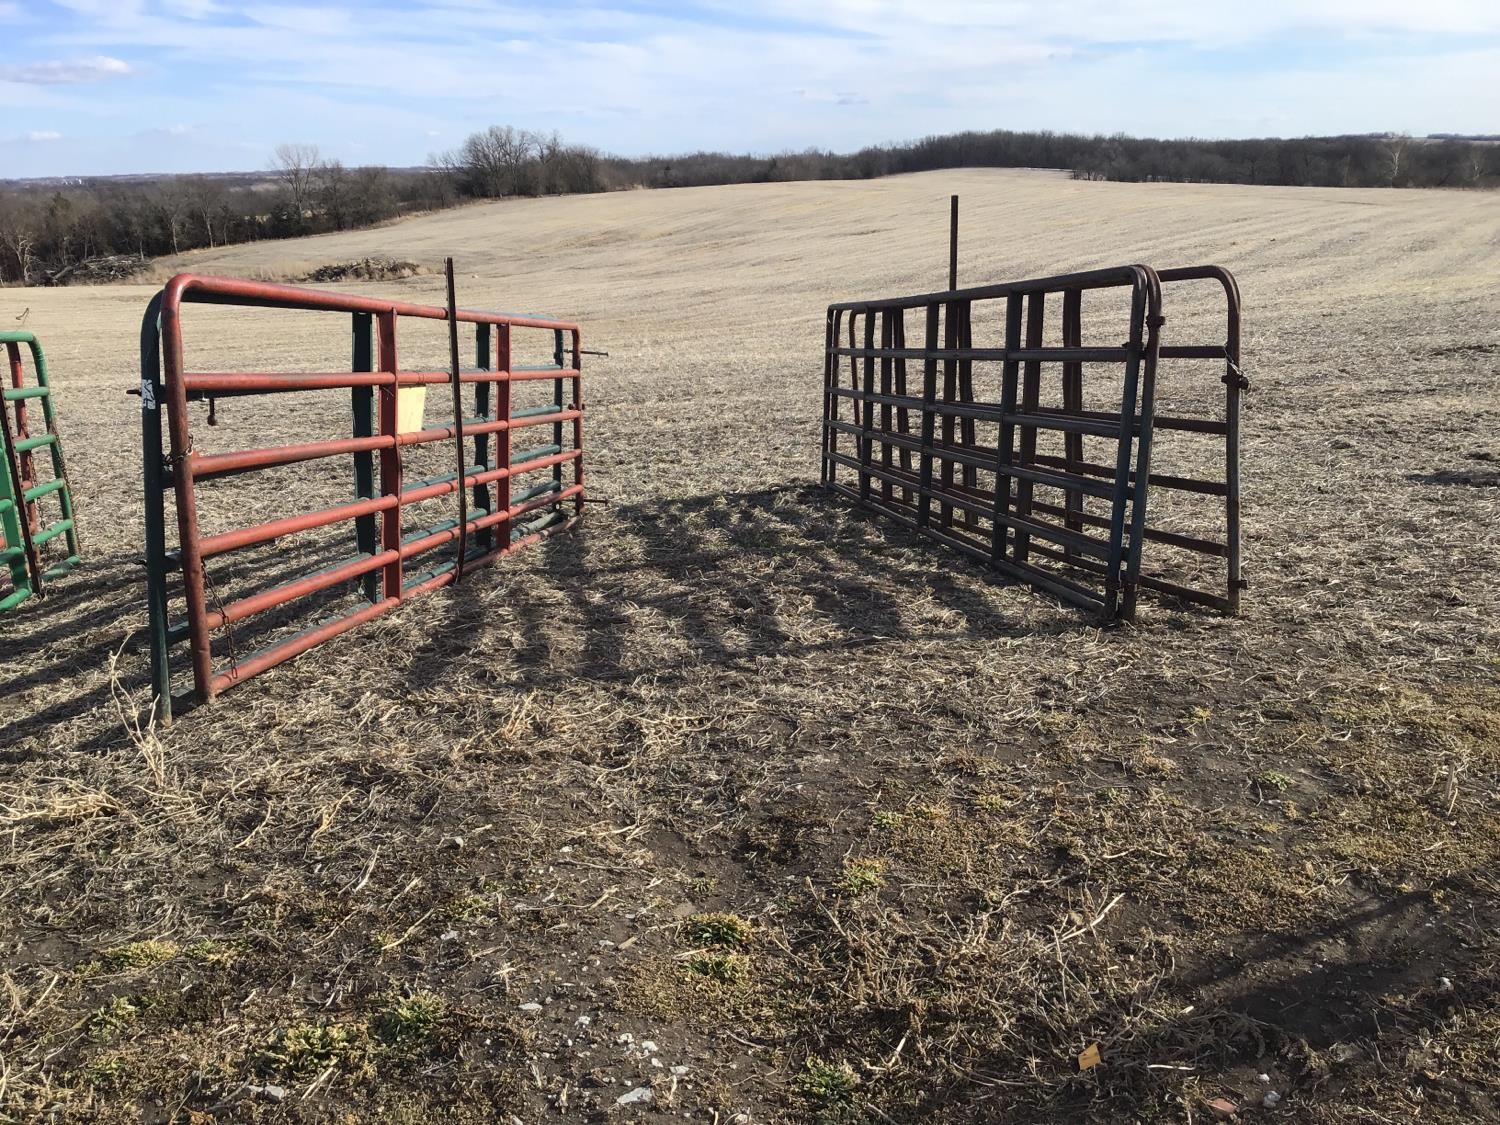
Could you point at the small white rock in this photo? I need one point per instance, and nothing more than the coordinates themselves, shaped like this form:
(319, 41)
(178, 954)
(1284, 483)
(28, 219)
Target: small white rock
(625, 1038)
(641, 1095)
(648, 1046)
(1270, 1100)
(679, 1071)
(533, 1006)
(584, 1021)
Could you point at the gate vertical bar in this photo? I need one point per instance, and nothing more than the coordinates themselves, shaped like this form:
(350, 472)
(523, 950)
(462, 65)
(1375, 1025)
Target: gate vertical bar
(867, 415)
(577, 405)
(929, 401)
(1005, 445)
(390, 456)
(1031, 385)
(950, 396)
(155, 510)
(964, 338)
(1072, 393)
(830, 400)
(484, 355)
(559, 398)
(504, 362)
(903, 416)
(1145, 417)
(1234, 382)
(362, 399)
(887, 335)
(460, 454)
(180, 445)
(1121, 494)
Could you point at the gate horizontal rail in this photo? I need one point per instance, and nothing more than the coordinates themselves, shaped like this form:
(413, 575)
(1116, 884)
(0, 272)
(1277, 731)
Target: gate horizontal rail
(492, 524)
(1023, 511)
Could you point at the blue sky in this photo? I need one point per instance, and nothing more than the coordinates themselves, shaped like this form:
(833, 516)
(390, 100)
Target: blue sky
(102, 86)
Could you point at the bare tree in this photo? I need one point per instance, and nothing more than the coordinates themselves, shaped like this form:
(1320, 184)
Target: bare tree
(296, 166)
(172, 203)
(206, 199)
(20, 227)
(1395, 154)
(1477, 164)
(372, 196)
(497, 162)
(333, 187)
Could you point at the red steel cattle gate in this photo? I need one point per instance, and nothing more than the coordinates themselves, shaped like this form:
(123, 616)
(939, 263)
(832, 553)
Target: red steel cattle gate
(1003, 468)
(507, 496)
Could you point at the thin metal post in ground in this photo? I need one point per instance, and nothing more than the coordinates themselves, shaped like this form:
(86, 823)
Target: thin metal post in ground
(953, 243)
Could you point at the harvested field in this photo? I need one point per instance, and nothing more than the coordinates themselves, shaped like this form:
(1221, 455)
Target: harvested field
(737, 805)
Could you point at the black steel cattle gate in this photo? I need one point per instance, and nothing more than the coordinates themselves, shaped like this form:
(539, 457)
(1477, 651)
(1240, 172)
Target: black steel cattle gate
(1002, 469)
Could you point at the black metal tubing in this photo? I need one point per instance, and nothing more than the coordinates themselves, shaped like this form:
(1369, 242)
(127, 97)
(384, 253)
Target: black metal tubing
(1005, 515)
(1234, 387)
(1014, 518)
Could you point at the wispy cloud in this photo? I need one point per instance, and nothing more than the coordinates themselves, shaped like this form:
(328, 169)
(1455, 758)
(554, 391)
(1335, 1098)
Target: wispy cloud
(43, 136)
(70, 72)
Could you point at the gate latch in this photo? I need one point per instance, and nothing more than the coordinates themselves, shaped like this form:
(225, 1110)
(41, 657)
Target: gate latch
(1234, 377)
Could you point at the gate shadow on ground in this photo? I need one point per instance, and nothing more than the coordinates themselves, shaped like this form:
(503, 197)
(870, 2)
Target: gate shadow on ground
(1369, 983)
(651, 588)
(64, 642)
(662, 588)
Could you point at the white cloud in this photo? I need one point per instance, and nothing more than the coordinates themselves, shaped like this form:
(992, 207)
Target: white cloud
(43, 136)
(70, 72)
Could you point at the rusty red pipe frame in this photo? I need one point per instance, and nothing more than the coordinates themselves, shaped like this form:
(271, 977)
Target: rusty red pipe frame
(238, 538)
(186, 466)
(315, 583)
(206, 289)
(207, 466)
(228, 384)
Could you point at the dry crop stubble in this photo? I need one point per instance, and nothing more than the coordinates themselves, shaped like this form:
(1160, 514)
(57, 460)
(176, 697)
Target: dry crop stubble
(971, 834)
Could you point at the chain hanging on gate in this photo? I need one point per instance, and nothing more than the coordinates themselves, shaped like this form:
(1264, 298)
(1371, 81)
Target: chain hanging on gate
(458, 428)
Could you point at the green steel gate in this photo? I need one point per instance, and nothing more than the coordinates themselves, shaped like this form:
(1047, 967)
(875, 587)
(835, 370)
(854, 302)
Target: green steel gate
(25, 537)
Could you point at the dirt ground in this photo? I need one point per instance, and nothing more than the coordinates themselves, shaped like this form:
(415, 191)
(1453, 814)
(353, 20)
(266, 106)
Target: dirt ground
(737, 806)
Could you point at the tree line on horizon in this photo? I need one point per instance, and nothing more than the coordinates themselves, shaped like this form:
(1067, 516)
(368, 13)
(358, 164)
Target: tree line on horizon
(52, 235)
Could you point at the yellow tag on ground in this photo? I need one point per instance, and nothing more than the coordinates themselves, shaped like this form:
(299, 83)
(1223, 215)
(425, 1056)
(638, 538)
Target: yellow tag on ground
(1090, 1057)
